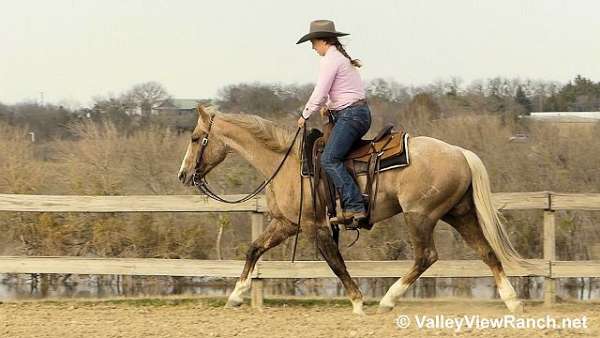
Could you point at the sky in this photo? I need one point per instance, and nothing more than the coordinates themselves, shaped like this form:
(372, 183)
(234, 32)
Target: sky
(72, 51)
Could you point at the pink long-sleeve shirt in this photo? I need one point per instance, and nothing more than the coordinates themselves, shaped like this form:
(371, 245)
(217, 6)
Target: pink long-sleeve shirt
(339, 81)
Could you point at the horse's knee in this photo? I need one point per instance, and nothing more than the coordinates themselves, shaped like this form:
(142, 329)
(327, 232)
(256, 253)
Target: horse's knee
(423, 264)
(323, 237)
(326, 245)
(429, 257)
(322, 232)
(252, 251)
(432, 257)
(489, 257)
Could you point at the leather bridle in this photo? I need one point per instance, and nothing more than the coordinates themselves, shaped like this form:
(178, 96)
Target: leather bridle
(202, 184)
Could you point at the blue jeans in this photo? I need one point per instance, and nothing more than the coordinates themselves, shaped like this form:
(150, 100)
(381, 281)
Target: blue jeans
(350, 125)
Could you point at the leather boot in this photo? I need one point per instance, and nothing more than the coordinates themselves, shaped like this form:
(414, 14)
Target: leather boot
(348, 217)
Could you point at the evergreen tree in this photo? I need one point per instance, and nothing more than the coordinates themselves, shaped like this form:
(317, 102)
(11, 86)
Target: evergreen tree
(522, 99)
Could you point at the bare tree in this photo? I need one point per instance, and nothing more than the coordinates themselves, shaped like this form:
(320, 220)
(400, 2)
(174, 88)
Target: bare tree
(224, 221)
(147, 96)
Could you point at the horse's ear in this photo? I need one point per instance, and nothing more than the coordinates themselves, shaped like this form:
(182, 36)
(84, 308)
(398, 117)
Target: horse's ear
(202, 113)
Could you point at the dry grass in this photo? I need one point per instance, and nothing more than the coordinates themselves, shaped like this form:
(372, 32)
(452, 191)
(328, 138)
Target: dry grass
(103, 160)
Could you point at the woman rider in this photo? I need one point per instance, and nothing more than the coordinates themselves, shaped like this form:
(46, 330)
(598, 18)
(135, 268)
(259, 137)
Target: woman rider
(339, 88)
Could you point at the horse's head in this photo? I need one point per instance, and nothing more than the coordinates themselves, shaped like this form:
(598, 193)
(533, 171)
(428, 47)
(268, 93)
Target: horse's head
(204, 152)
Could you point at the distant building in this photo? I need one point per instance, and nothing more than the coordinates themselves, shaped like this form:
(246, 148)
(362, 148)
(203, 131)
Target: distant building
(179, 106)
(180, 114)
(568, 117)
(568, 123)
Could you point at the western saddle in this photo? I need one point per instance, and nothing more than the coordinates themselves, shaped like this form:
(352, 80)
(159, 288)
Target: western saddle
(367, 157)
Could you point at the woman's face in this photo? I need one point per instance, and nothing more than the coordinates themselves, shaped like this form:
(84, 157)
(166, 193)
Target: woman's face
(320, 46)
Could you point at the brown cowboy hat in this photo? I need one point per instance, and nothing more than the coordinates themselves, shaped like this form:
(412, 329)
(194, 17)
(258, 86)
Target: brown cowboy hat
(321, 29)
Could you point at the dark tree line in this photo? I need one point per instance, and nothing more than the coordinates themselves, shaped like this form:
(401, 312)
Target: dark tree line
(390, 100)
(442, 98)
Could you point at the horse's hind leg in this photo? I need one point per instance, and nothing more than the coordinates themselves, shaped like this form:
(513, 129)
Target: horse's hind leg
(468, 226)
(332, 255)
(421, 235)
(275, 233)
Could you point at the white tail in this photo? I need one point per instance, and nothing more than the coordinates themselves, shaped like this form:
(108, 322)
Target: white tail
(489, 217)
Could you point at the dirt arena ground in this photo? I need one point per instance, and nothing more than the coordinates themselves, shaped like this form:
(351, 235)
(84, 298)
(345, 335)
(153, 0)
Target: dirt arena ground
(194, 317)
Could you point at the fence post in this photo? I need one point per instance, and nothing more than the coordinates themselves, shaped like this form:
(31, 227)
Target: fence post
(256, 291)
(549, 255)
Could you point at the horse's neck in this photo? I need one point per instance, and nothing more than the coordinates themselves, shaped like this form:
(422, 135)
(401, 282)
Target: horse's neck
(252, 150)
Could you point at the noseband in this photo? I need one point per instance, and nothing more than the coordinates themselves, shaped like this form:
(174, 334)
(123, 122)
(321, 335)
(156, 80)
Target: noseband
(196, 180)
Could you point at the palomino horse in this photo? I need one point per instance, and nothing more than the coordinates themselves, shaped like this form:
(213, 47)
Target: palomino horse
(443, 182)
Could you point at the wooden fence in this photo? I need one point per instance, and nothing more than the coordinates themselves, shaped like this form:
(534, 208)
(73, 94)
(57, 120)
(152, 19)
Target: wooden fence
(546, 267)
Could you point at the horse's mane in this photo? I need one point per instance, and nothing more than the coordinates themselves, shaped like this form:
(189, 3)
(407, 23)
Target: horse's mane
(276, 137)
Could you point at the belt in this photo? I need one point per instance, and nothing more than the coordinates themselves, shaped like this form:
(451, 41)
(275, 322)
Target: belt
(360, 102)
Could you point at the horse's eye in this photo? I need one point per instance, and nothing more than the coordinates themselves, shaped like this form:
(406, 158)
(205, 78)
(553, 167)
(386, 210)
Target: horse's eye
(195, 138)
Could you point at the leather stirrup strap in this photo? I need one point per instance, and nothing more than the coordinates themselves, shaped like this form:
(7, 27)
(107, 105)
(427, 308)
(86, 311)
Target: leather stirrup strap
(329, 190)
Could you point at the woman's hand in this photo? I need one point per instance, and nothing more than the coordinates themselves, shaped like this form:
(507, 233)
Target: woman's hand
(324, 111)
(301, 122)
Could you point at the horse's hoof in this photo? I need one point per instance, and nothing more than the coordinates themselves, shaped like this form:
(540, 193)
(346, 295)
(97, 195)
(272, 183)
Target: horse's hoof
(359, 313)
(384, 309)
(516, 307)
(357, 307)
(233, 304)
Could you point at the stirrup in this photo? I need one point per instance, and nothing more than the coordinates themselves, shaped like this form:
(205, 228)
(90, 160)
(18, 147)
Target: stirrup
(357, 223)
(342, 219)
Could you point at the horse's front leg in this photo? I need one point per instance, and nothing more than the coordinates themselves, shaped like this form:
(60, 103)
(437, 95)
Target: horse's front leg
(332, 255)
(275, 233)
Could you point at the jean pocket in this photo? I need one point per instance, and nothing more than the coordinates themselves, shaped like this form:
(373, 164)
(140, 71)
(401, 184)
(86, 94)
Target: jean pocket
(355, 113)
(361, 115)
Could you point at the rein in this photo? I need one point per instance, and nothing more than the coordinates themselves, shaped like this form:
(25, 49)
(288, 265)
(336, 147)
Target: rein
(203, 186)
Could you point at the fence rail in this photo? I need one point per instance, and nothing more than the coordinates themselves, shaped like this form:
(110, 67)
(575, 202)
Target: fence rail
(547, 267)
(280, 269)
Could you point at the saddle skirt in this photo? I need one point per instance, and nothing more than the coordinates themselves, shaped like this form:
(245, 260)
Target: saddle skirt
(392, 147)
